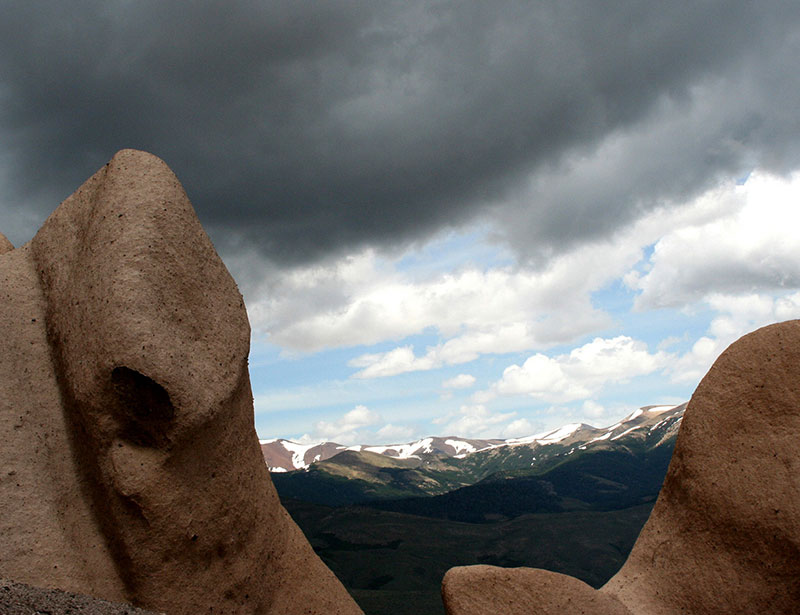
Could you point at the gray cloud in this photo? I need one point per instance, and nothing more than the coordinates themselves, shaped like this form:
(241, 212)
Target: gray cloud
(302, 129)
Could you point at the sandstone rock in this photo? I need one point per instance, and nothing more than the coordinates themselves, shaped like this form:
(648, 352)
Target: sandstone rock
(491, 589)
(127, 407)
(724, 536)
(21, 599)
(5, 244)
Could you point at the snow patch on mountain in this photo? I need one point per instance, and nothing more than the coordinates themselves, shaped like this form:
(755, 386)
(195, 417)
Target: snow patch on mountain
(626, 432)
(462, 448)
(660, 409)
(605, 436)
(547, 437)
(403, 451)
(298, 452)
(285, 455)
(635, 414)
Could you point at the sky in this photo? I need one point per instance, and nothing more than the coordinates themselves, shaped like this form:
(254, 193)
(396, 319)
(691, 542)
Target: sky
(446, 218)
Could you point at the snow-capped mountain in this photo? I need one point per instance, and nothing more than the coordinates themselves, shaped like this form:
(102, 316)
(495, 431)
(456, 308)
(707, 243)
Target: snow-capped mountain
(286, 456)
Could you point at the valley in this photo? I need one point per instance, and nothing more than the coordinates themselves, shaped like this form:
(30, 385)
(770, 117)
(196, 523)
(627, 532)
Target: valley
(392, 520)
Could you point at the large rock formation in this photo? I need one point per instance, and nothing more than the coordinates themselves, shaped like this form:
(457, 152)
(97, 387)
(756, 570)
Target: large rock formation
(724, 536)
(131, 469)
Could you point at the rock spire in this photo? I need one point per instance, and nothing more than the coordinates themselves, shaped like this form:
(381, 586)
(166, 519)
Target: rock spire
(131, 466)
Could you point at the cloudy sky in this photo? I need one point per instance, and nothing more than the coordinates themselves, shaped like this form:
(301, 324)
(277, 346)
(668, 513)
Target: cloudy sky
(471, 218)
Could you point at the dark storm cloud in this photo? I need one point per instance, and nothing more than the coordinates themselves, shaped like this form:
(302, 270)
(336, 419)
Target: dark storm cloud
(302, 128)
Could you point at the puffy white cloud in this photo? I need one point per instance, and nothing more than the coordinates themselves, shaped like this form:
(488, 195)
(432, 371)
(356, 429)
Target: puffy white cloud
(753, 246)
(518, 428)
(737, 315)
(360, 426)
(395, 433)
(462, 381)
(397, 361)
(729, 239)
(475, 421)
(592, 409)
(367, 298)
(347, 429)
(579, 374)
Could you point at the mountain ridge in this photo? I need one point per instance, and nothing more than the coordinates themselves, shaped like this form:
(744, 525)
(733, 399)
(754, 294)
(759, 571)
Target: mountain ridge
(283, 455)
(358, 475)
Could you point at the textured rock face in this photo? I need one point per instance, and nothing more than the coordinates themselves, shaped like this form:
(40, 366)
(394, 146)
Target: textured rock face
(5, 244)
(724, 536)
(489, 589)
(137, 474)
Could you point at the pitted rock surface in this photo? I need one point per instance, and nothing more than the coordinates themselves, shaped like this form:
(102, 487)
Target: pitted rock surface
(132, 470)
(5, 244)
(724, 536)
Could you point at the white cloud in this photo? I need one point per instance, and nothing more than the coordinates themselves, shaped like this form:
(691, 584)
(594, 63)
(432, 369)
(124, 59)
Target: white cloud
(592, 409)
(518, 428)
(475, 421)
(737, 315)
(479, 311)
(729, 239)
(462, 381)
(463, 349)
(347, 429)
(366, 298)
(395, 434)
(579, 374)
(753, 247)
(359, 426)
(397, 361)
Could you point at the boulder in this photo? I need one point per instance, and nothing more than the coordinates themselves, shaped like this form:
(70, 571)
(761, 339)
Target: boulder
(724, 536)
(134, 470)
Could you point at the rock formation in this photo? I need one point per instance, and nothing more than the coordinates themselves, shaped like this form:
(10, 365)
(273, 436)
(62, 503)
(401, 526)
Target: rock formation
(724, 536)
(131, 470)
(5, 244)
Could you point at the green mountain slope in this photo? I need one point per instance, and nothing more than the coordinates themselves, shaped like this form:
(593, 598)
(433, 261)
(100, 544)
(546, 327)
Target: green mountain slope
(355, 477)
(596, 480)
(632, 457)
(574, 505)
(393, 563)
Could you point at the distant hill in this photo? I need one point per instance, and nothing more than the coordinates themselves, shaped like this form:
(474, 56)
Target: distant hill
(631, 456)
(286, 456)
(390, 521)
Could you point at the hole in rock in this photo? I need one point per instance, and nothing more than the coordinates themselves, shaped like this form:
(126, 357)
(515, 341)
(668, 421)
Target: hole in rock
(144, 406)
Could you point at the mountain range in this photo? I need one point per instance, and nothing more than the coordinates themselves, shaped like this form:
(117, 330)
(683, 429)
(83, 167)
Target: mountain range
(332, 474)
(283, 455)
(391, 520)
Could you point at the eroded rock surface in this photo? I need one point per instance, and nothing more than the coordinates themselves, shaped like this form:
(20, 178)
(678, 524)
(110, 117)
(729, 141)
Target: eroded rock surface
(5, 244)
(724, 536)
(131, 467)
